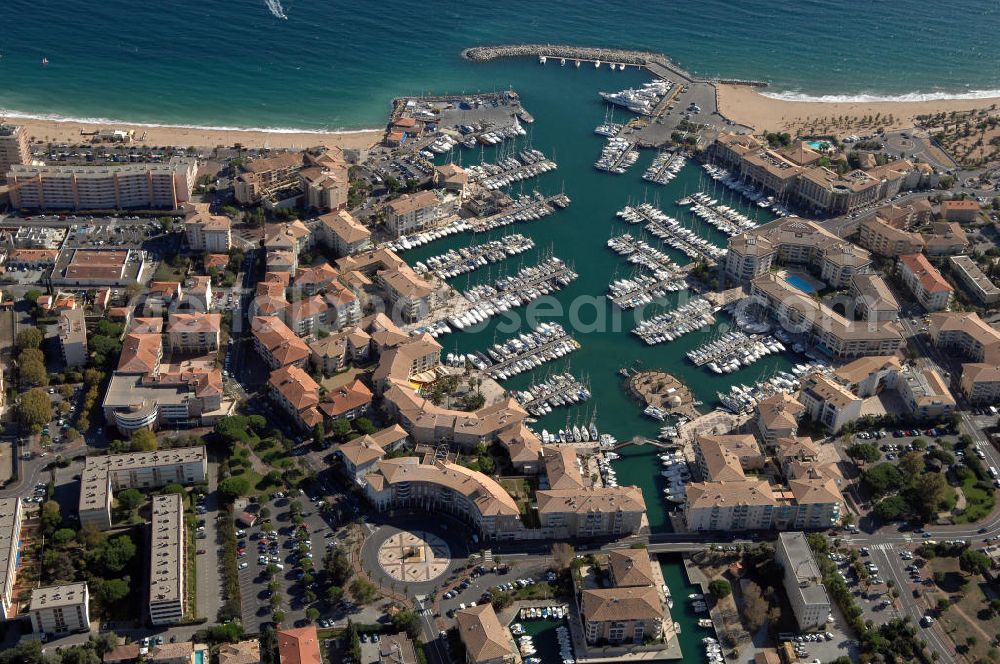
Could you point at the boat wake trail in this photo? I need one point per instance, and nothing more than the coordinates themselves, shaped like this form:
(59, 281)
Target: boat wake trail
(274, 6)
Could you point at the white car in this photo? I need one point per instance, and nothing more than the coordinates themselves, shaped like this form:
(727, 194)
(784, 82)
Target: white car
(243, 565)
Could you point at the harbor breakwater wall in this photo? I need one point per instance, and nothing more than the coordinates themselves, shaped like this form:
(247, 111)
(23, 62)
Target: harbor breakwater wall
(657, 63)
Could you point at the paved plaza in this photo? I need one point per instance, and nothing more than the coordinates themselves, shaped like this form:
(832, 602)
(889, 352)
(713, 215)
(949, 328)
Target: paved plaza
(414, 556)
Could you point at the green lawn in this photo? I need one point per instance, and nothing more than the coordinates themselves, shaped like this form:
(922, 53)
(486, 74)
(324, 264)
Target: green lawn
(979, 503)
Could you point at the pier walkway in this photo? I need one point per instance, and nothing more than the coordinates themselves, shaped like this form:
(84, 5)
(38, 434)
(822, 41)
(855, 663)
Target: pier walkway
(540, 206)
(556, 344)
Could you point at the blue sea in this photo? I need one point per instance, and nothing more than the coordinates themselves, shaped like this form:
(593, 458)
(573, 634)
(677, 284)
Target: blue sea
(333, 64)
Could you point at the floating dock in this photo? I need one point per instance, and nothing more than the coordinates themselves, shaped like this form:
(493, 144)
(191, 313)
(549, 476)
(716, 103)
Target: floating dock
(664, 168)
(461, 261)
(672, 232)
(562, 389)
(547, 342)
(695, 315)
(525, 208)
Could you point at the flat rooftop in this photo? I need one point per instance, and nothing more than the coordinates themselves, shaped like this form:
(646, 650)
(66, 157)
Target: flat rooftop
(166, 551)
(51, 597)
(804, 567)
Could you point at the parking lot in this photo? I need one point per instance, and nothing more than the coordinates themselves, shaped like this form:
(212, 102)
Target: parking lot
(483, 581)
(280, 546)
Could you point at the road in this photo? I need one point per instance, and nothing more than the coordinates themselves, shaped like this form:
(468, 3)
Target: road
(209, 599)
(891, 566)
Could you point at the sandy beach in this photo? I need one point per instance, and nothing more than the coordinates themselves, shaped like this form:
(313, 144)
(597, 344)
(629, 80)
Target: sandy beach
(51, 131)
(747, 106)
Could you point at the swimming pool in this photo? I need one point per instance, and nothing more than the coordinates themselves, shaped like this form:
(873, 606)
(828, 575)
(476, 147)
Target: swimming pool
(818, 145)
(199, 657)
(801, 283)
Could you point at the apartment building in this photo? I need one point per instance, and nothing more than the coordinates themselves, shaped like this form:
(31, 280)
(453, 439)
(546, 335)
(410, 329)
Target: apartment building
(778, 417)
(297, 394)
(945, 239)
(813, 502)
(348, 402)
(60, 609)
(925, 393)
(138, 399)
(981, 383)
(469, 495)
(103, 475)
(621, 615)
(966, 333)
(828, 402)
(299, 645)
(906, 215)
(486, 640)
(973, 280)
(873, 300)
(592, 512)
(208, 232)
(241, 652)
(316, 278)
(167, 560)
(411, 213)
(971, 337)
(268, 177)
(155, 186)
(11, 518)
(411, 297)
(344, 234)
(194, 333)
(831, 332)
(452, 178)
(794, 241)
(828, 192)
(324, 188)
(888, 241)
(929, 288)
(277, 344)
(14, 148)
(803, 581)
(406, 358)
(963, 211)
(724, 458)
(73, 337)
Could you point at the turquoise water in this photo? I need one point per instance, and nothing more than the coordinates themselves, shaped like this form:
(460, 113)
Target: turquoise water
(801, 283)
(818, 145)
(199, 657)
(334, 64)
(567, 108)
(691, 635)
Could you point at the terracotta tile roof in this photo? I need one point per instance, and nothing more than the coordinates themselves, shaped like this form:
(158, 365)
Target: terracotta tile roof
(361, 450)
(347, 398)
(726, 494)
(317, 275)
(591, 499)
(279, 340)
(299, 646)
(140, 353)
(343, 224)
(298, 388)
(484, 637)
(194, 323)
(621, 604)
(631, 567)
(243, 652)
(928, 275)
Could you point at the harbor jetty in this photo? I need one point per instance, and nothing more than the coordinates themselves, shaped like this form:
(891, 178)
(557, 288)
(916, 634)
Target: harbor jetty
(665, 167)
(561, 389)
(672, 232)
(525, 208)
(694, 315)
(527, 164)
(641, 253)
(526, 351)
(617, 156)
(460, 261)
(642, 289)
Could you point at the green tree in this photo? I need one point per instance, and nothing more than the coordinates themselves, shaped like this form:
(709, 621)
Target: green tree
(172, 488)
(63, 536)
(232, 488)
(318, 434)
(363, 591)
(866, 452)
(30, 337)
(113, 591)
(974, 562)
(130, 499)
(891, 508)
(312, 613)
(720, 588)
(34, 408)
(233, 429)
(407, 621)
(911, 464)
(117, 553)
(364, 426)
(143, 440)
(50, 517)
(31, 373)
(883, 478)
(339, 429)
(333, 594)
